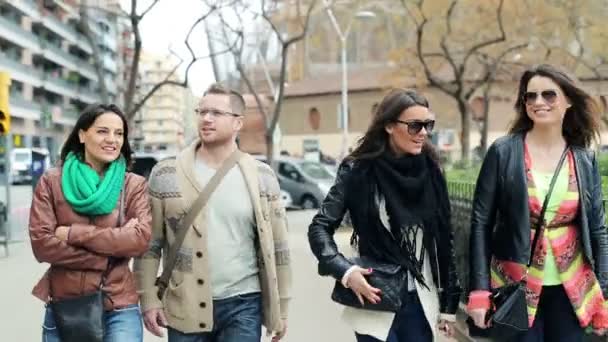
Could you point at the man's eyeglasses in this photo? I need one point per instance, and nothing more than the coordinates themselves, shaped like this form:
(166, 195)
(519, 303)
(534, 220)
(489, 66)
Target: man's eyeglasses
(415, 126)
(215, 113)
(549, 96)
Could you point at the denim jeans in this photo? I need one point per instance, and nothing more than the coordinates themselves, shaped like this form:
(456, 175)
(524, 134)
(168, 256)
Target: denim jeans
(121, 325)
(235, 319)
(409, 325)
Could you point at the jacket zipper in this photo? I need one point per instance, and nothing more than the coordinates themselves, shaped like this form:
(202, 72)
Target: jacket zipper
(439, 288)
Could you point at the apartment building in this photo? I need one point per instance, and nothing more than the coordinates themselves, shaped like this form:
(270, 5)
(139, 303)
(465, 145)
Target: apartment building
(160, 125)
(51, 66)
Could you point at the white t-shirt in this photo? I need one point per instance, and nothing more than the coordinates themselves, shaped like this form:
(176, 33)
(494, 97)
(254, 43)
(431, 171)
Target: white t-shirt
(231, 242)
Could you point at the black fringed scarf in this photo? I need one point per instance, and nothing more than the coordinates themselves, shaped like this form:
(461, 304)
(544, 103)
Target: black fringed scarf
(412, 190)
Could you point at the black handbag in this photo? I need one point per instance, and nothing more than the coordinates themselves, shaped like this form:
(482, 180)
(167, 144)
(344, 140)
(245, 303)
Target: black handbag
(510, 313)
(389, 278)
(81, 318)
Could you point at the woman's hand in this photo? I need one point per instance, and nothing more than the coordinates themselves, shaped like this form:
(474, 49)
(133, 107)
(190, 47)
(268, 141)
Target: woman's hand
(62, 233)
(446, 327)
(357, 283)
(479, 317)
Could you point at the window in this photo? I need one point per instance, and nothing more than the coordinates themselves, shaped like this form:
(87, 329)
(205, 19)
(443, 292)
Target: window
(315, 170)
(289, 171)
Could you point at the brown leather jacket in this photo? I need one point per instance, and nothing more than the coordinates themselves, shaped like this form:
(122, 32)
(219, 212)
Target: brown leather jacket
(78, 264)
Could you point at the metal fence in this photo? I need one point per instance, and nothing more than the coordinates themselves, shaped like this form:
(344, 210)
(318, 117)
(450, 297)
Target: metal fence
(461, 200)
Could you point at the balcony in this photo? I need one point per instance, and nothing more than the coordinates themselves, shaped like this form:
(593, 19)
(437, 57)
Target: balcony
(28, 7)
(59, 85)
(66, 31)
(63, 58)
(14, 33)
(20, 72)
(23, 108)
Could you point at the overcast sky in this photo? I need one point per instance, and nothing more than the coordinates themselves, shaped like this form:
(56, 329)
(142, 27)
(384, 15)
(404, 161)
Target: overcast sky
(166, 25)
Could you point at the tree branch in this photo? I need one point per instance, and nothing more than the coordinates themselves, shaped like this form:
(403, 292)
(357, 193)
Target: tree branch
(143, 14)
(489, 42)
(492, 68)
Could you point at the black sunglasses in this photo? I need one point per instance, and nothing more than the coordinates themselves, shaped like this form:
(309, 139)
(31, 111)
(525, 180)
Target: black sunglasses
(549, 96)
(415, 126)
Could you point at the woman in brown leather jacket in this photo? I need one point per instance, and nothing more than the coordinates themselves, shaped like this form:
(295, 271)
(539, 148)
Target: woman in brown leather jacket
(74, 223)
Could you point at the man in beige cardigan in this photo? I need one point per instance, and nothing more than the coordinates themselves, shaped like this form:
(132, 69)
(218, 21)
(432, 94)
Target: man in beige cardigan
(233, 271)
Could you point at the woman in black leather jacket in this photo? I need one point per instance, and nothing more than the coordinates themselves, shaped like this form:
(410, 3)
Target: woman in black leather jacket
(397, 198)
(568, 278)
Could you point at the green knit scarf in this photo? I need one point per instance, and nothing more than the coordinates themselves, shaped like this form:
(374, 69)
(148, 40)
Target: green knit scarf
(88, 193)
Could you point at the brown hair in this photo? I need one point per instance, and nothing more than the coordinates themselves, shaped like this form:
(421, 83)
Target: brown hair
(581, 122)
(237, 102)
(375, 141)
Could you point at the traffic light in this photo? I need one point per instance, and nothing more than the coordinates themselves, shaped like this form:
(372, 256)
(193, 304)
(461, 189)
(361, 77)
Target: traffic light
(5, 115)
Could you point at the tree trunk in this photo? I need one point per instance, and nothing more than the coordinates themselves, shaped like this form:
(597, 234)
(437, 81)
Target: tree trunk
(270, 150)
(465, 132)
(486, 119)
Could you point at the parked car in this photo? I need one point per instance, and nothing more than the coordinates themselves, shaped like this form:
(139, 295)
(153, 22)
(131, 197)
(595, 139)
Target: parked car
(22, 161)
(143, 162)
(307, 182)
(286, 200)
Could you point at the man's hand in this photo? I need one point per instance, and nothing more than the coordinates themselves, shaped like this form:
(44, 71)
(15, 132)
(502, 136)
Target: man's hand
(62, 233)
(280, 334)
(155, 321)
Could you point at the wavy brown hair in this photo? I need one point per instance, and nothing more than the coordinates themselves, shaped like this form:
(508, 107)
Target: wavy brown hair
(376, 141)
(581, 123)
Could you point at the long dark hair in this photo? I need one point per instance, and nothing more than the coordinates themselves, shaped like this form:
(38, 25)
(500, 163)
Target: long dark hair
(85, 121)
(581, 122)
(376, 141)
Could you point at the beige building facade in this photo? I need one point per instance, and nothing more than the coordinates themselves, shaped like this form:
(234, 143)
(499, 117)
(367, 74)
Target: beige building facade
(160, 124)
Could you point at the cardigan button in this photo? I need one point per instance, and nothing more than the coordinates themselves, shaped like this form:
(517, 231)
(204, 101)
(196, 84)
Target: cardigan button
(202, 325)
(203, 305)
(199, 254)
(201, 281)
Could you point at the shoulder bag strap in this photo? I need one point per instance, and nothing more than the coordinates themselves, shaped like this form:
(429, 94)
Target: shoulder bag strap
(187, 221)
(541, 220)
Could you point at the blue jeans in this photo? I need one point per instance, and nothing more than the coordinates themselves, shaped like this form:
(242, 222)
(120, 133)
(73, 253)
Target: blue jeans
(409, 325)
(121, 325)
(235, 319)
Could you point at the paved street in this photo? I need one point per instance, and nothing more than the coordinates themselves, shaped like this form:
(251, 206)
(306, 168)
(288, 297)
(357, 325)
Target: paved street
(313, 316)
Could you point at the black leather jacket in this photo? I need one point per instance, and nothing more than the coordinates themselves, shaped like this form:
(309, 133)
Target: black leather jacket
(332, 262)
(500, 223)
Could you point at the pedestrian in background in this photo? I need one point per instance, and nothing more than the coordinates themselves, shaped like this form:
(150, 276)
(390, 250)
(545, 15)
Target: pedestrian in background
(88, 218)
(398, 202)
(568, 277)
(221, 230)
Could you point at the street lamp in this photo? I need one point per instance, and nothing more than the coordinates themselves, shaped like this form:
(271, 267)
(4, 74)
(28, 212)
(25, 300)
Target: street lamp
(343, 35)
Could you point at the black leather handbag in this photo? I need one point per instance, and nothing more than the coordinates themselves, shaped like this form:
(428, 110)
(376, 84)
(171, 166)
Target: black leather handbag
(389, 278)
(510, 313)
(81, 318)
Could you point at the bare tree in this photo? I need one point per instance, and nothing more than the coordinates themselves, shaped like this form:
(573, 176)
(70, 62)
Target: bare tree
(133, 101)
(493, 66)
(267, 10)
(464, 81)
